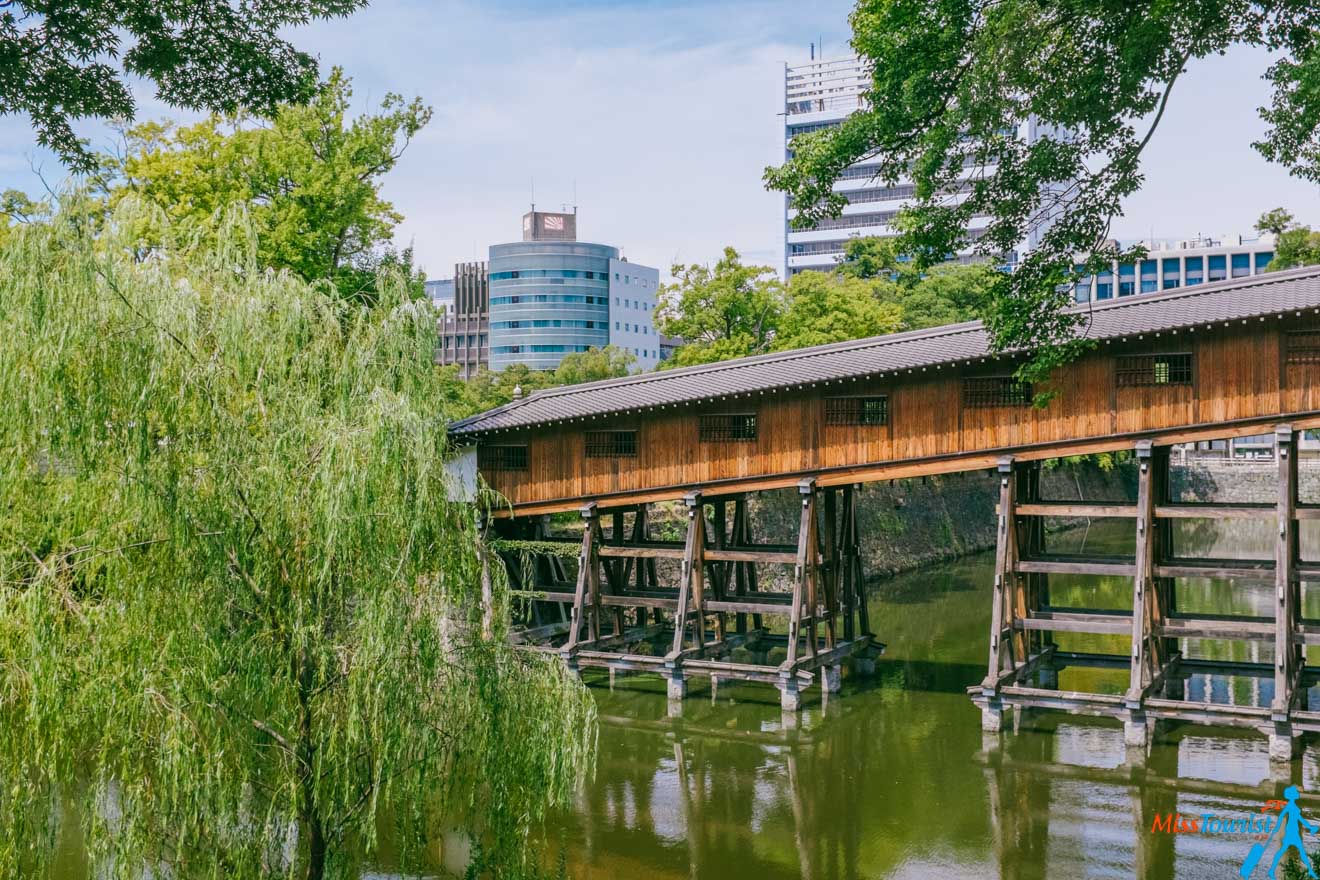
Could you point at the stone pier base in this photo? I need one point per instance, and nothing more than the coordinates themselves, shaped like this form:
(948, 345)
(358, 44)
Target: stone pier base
(1284, 745)
(1136, 732)
(790, 698)
(992, 718)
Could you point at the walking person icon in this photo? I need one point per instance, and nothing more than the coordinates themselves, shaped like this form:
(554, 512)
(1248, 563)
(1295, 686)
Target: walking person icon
(1290, 817)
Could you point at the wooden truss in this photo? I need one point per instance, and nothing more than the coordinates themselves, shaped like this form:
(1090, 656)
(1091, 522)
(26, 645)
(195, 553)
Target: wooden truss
(1024, 662)
(717, 605)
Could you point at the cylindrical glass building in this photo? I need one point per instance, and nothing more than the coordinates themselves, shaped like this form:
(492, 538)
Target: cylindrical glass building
(548, 299)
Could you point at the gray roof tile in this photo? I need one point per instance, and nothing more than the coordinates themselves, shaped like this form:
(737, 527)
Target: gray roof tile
(1256, 296)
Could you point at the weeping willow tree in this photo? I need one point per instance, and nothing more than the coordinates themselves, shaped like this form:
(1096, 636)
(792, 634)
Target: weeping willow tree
(240, 629)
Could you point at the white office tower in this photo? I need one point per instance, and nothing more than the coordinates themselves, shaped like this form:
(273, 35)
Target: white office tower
(821, 95)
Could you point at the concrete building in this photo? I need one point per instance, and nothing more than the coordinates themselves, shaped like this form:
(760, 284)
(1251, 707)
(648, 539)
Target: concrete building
(465, 325)
(440, 292)
(1170, 264)
(821, 95)
(552, 295)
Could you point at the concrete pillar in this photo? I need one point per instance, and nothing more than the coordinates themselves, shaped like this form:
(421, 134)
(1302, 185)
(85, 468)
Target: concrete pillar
(831, 679)
(790, 698)
(611, 678)
(1136, 732)
(992, 717)
(677, 687)
(1284, 744)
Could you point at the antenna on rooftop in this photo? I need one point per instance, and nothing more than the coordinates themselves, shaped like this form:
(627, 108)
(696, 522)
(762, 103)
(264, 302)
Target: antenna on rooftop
(813, 51)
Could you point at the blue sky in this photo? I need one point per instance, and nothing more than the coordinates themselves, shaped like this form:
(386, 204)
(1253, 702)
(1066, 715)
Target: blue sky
(661, 116)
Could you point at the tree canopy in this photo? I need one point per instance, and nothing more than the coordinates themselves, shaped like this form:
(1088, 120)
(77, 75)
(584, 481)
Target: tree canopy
(310, 178)
(69, 60)
(954, 83)
(1294, 243)
(823, 308)
(732, 310)
(240, 615)
(489, 389)
(947, 293)
(725, 311)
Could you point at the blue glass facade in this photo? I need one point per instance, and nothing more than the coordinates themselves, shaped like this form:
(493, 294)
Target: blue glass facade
(1158, 272)
(548, 299)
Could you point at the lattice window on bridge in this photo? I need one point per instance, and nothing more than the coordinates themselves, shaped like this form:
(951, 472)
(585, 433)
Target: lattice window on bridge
(502, 458)
(611, 444)
(727, 427)
(857, 410)
(983, 392)
(1303, 347)
(1142, 370)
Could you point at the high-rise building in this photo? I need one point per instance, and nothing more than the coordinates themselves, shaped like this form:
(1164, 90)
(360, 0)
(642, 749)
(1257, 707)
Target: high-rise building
(1170, 264)
(552, 295)
(821, 95)
(465, 324)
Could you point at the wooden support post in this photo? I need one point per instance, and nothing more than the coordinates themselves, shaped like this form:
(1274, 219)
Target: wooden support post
(587, 561)
(718, 570)
(829, 571)
(858, 572)
(803, 571)
(1003, 603)
(1288, 660)
(616, 573)
(689, 583)
(739, 568)
(1142, 664)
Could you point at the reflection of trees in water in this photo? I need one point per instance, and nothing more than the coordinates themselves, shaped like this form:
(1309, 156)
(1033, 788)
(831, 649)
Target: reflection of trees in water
(729, 791)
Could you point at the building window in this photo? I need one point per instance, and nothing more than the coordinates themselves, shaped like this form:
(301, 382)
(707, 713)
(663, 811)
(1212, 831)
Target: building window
(727, 427)
(611, 444)
(502, 458)
(1303, 347)
(857, 410)
(984, 392)
(1141, 370)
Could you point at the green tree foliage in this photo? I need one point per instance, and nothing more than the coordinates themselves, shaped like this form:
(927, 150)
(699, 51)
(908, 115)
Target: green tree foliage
(824, 308)
(946, 293)
(237, 606)
(489, 389)
(728, 311)
(311, 179)
(1294, 244)
(17, 208)
(56, 59)
(952, 81)
(593, 365)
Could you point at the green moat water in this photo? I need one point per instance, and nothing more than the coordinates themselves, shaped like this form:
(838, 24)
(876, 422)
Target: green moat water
(893, 777)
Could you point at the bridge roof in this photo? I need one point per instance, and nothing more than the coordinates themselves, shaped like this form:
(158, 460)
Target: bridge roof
(1204, 304)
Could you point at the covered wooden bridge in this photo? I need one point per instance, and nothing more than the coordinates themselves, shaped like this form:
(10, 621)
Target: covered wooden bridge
(1230, 359)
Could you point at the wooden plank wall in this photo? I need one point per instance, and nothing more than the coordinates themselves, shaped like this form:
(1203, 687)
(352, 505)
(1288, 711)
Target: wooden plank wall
(1238, 373)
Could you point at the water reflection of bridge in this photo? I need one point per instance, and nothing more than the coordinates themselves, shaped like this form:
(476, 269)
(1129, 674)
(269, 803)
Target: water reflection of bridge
(736, 790)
